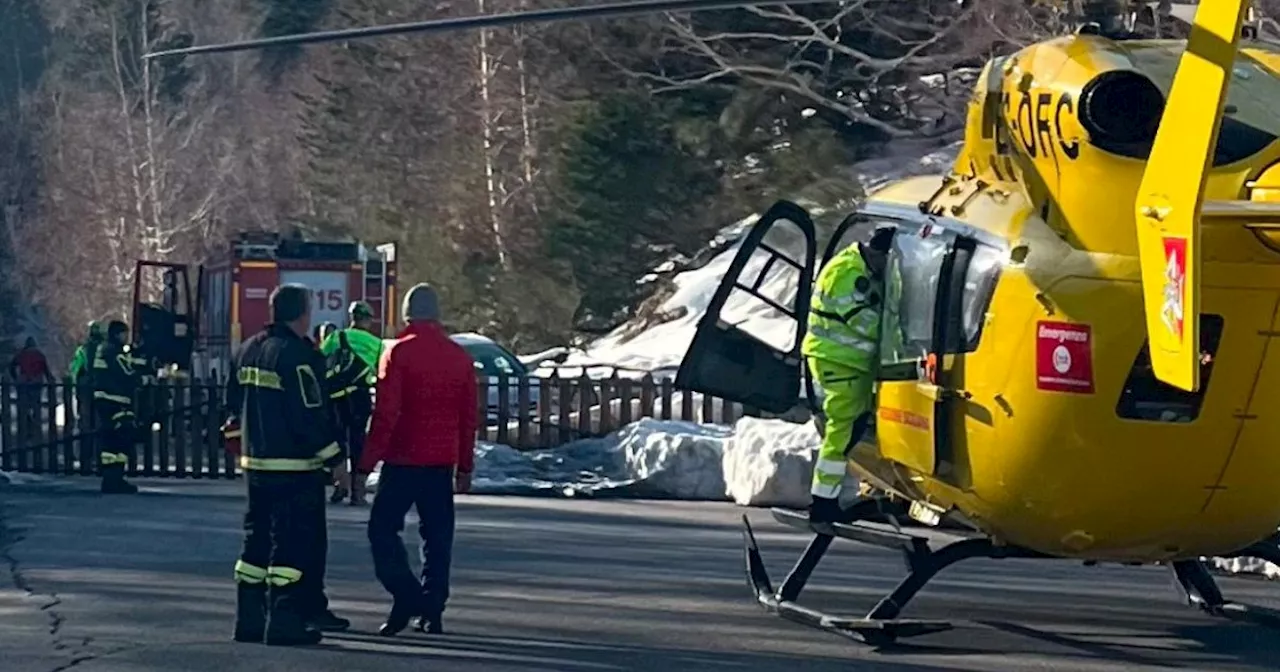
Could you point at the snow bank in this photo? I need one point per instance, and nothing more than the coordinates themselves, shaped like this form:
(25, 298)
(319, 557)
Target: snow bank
(770, 463)
(650, 458)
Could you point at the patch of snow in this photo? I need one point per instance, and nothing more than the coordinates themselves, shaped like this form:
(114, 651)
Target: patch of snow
(18, 478)
(1245, 566)
(650, 458)
(770, 463)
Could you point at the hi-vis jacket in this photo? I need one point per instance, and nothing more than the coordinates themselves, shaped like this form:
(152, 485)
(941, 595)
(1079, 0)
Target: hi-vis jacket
(845, 312)
(275, 387)
(346, 371)
(116, 374)
(82, 361)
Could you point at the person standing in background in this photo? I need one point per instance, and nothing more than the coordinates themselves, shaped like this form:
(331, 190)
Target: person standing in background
(424, 433)
(29, 369)
(82, 361)
(353, 398)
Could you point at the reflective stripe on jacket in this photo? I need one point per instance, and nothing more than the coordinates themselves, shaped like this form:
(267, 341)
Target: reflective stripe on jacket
(366, 346)
(116, 374)
(844, 313)
(275, 387)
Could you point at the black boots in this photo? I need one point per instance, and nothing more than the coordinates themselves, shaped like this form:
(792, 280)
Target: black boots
(398, 619)
(251, 612)
(431, 626)
(276, 624)
(327, 621)
(113, 482)
(285, 626)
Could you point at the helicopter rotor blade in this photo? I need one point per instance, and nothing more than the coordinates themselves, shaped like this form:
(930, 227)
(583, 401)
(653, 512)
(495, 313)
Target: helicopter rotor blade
(610, 10)
(1170, 199)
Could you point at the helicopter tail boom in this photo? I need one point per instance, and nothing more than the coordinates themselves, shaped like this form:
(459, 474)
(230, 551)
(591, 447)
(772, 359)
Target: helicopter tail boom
(1170, 200)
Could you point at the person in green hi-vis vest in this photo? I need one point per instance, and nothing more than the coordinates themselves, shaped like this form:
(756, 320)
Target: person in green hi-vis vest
(354, 399)
(842, 349)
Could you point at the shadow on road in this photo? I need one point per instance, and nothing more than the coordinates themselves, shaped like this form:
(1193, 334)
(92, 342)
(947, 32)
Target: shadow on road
(547, 584)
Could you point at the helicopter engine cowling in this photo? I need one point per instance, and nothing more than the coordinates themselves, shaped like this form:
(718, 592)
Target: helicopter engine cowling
(1120, 108)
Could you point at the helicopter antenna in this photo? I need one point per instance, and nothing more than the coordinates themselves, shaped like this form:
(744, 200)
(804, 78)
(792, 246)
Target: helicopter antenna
(610, 10)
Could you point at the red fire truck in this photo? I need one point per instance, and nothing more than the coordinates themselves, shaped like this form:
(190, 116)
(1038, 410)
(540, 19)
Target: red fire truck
(232, 290)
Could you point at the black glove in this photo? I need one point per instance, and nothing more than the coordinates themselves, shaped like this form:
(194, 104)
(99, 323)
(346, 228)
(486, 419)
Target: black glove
(825, 510)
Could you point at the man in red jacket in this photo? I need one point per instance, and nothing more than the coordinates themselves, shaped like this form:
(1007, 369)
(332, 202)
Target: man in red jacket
(423, 431)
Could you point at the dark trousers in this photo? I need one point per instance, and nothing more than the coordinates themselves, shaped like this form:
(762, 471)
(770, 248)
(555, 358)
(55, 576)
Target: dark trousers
(430, 490)
(353, 418)
(117, 434)
(282, 527)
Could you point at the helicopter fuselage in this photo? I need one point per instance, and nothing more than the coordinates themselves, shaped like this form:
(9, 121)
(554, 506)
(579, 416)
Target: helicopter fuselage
(1060, 439)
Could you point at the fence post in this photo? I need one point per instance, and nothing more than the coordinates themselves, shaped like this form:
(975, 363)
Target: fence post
(686, 405)
(607, 386)
(564, 421)
(624, 402)
(69, 432)
(544, 411)
(25, 458)
(585, 385)
(668, 390)
(7, 447)
(504, 410)
(482, 400)
(522, 420)
(50, 395)
(211, 432)
(646, 396)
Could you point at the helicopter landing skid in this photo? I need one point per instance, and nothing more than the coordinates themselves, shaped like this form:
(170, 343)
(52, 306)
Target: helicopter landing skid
(1199, 589)
(881, 626)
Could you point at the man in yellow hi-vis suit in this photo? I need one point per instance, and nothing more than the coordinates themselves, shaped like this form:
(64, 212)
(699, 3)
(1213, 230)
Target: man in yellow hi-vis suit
(842, 348)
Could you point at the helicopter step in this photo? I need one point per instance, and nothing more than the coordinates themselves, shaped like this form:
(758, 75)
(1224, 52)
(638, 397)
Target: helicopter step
(881, 625)
(1199, 589)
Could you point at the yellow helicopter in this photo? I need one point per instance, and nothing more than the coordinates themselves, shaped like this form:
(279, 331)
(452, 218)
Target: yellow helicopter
(1028, 403)
(1103, 177)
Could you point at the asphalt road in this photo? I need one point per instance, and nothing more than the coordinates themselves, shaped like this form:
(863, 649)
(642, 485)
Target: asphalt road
(131, 584)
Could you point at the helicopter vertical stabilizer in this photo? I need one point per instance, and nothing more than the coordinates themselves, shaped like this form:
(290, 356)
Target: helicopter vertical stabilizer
(1172, 191)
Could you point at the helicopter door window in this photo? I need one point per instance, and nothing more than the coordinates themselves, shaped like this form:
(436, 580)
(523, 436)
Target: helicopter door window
(979, 285)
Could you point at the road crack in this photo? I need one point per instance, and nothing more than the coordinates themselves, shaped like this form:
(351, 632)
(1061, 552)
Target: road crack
(10, 537)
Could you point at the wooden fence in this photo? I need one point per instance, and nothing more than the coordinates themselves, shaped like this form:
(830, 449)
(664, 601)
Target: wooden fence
(43, 431)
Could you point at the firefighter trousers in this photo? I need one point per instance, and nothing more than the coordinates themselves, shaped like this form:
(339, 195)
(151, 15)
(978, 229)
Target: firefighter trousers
(430, 491)
(116, 438)
(284, 528)
(847, 403)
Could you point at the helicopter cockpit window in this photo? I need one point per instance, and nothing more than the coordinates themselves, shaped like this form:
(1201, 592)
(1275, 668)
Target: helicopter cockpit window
(911, 287)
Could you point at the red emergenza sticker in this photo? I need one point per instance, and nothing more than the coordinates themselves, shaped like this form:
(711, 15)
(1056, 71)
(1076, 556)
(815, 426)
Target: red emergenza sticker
(1175, 285)
(1064, 357)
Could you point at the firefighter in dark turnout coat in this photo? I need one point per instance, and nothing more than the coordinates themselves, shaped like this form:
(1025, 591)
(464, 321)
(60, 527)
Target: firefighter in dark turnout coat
(115, 378)
(287, 440)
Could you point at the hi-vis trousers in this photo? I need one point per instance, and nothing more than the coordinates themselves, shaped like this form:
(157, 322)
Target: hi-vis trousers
(847, 404)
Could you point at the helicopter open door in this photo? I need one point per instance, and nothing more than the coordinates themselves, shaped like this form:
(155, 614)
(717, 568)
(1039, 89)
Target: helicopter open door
(739, 353)
(922, 342)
